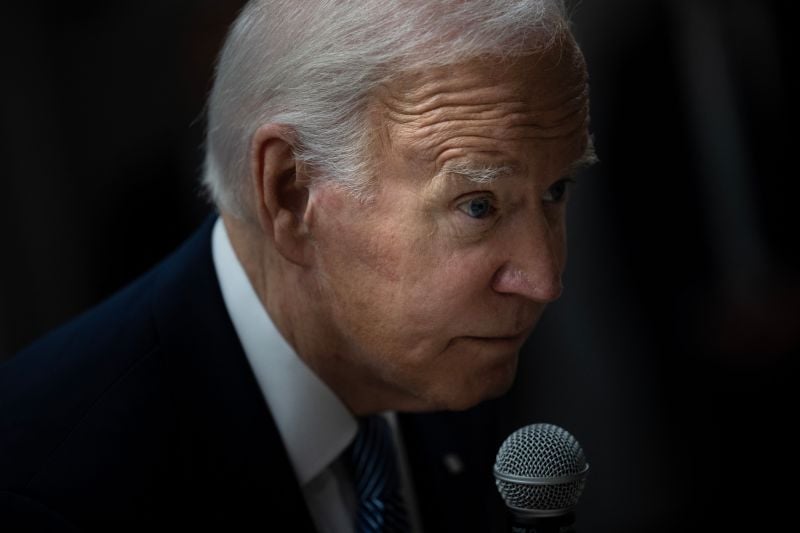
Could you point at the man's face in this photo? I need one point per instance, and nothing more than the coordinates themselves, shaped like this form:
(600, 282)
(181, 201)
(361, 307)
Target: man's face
(431, 288)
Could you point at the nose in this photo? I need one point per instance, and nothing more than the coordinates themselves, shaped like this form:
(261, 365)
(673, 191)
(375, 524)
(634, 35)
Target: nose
(535, 261)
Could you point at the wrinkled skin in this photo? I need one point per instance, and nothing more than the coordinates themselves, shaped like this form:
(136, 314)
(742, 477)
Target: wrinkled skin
(431, 288)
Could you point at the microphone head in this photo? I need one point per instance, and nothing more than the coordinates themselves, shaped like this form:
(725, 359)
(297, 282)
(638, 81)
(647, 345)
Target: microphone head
(540, 471)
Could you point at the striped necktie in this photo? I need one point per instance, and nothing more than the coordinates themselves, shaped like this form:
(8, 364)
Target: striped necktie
(376, 478)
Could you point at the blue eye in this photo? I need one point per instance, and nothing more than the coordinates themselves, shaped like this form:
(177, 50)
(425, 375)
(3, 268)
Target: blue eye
(479, 207)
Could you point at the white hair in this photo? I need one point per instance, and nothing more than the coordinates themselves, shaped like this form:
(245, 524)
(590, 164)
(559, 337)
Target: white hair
(312, 66)
(480, 173)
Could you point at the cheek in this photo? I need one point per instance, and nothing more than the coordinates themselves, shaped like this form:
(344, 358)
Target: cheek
(363, 255)
(393, 283)
(441, 298)
(359, 241)
(399, 296)
(365, 259)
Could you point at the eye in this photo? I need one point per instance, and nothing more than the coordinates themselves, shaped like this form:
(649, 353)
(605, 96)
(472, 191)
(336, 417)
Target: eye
(478, 207)
(557, 192)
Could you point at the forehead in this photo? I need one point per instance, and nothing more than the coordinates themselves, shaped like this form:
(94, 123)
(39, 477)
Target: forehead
(485, 106)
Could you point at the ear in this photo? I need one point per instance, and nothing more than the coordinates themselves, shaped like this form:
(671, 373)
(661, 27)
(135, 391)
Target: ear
(282, 191)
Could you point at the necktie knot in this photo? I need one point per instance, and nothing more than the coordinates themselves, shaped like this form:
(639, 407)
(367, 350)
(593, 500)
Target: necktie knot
(376, 479)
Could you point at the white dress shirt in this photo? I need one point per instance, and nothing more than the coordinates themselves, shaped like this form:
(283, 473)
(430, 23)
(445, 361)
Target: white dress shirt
(315, 426)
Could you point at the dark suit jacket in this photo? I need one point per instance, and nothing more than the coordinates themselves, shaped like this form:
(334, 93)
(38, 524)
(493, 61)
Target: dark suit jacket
(143, 414)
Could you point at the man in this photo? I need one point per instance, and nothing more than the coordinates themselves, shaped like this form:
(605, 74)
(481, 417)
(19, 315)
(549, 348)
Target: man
(391, 179)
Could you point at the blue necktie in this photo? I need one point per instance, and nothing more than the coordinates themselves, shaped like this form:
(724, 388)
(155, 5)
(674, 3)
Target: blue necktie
(376, 478)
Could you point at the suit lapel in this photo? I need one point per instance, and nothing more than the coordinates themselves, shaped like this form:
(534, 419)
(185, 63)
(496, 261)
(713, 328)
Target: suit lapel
(451, 456)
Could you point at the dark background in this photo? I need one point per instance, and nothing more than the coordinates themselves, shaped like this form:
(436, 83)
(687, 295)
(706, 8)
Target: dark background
(671, 356)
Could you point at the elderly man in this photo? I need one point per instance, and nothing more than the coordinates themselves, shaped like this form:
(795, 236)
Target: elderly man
(391, 179)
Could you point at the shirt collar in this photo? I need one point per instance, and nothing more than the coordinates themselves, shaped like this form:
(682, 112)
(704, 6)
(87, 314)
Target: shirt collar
(314, 424)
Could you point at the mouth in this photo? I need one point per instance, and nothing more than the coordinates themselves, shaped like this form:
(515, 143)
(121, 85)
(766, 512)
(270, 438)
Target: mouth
(502, 339)
(507, 340)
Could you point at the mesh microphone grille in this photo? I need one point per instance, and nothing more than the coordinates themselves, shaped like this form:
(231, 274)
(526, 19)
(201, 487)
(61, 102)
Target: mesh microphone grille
(541, 451)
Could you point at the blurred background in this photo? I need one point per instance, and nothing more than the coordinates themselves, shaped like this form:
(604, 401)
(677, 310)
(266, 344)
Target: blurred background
(672, 354)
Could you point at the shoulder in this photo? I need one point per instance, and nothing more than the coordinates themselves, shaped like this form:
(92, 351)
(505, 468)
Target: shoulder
(105, 367)
(141, 409)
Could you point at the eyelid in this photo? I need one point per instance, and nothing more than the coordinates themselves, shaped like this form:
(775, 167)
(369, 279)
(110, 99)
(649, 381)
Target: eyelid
(568, 182)
(466, 198)
(472, 195)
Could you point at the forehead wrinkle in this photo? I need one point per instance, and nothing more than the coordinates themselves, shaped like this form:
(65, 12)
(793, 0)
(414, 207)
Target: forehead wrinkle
(476, 111)
(462, 146)
(505, 130)
(490, 104)
(465, 137)
(412, 103)
(474, 133)
(501, 120)
(447, 114)
(418, 92)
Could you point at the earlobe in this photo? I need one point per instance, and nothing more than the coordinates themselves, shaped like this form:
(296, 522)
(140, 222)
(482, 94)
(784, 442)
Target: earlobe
(282, 191)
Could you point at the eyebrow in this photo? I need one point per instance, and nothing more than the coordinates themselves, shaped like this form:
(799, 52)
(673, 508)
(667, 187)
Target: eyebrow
(488, 173)
(587, 159)
(477, 173)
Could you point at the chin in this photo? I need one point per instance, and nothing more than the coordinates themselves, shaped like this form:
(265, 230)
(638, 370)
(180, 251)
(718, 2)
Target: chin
(468, 401)
(486, 386)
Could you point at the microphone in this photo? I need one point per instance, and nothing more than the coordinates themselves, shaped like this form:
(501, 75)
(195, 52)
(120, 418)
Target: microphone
(540, 472)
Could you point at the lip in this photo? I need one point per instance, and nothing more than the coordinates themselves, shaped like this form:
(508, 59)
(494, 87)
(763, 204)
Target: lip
(501, 338)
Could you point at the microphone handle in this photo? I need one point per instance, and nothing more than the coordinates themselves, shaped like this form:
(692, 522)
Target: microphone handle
(554, 524)
(534, 529)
